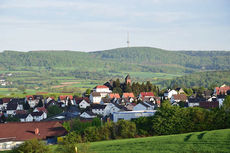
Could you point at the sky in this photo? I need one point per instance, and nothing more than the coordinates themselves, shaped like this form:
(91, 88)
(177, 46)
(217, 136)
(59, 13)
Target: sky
(91, 25)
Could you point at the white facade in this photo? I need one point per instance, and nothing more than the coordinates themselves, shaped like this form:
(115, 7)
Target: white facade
(110, 109)
(141, 107)
(193, 104)
(8, 145)
(29, 118)
(98, 111)
(106, 90)
(83, 104)
(95, 99)
(170, 93)
(128, 115)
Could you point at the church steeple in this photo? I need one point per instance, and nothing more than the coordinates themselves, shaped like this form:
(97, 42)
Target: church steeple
(128, 79)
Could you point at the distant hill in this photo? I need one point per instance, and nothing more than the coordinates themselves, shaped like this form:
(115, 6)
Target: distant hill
(126, 59)
(204, 79)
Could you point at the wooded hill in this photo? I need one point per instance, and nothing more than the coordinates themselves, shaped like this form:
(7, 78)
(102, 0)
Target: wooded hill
(142, 63)
(199, 79)
(122, 59)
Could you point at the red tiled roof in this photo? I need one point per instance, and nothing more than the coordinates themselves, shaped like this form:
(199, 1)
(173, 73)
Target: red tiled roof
(114, 95)
(6, 100)
(25, 131)
(43, 109)
(102, 86)
(222, 90)
(181, 97)
(127, 95)
(20, 111)
(30, 96)
(147, 94)
(63, 97)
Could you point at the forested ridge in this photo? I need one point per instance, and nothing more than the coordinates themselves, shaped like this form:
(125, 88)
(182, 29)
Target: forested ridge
(135, 58)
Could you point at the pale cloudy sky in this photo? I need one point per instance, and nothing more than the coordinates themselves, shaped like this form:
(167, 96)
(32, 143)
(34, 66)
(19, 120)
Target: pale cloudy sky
(89, 25)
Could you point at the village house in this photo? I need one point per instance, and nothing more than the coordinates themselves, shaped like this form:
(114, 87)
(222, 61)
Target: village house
(25, 117)
(38, 116)
(66, 99)
(178, 98)
(221, 90)
(113, 107)
(95, 97)
(33, 100)
(144, 106)
(82, 102)
(180, 90)
(12, 107)
(129, 115)
(5, 101)
(88, 115)
(168, 94)
(103, 90)
(98, 109)
(144, 95)
(15, 133)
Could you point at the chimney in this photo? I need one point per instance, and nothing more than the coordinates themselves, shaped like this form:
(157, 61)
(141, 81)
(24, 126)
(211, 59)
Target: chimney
(36, 131)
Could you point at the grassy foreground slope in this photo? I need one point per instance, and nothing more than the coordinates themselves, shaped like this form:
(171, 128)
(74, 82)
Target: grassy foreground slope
(217, 141)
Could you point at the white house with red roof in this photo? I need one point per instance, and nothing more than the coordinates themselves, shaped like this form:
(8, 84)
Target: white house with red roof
(144, 95)
(222, 90)
(102, 88)
(65, 99)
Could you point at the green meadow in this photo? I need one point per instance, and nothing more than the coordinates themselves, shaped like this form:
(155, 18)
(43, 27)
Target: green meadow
(217, 141)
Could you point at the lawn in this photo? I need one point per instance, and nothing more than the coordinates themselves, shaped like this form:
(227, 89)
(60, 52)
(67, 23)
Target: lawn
(217, 141)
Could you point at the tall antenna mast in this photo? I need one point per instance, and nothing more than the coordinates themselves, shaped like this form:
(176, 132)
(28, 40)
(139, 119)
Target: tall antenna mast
(128, 39)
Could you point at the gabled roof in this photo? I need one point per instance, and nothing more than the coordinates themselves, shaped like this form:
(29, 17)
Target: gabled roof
(147, 94)
(114, 95)
(26, 130)
(101, 86)
(222, 89)
(78, 100)
(181, 97)
(127, 95)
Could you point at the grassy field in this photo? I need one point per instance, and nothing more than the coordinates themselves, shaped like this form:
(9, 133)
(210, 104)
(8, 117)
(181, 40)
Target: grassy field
(217, 141)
